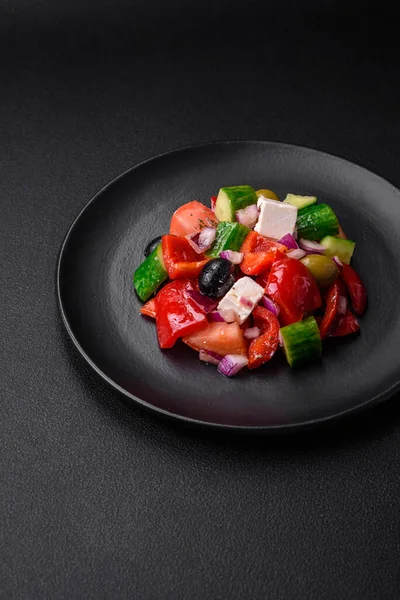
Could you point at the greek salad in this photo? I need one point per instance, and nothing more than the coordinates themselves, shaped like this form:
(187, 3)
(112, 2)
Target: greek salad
(249, 275)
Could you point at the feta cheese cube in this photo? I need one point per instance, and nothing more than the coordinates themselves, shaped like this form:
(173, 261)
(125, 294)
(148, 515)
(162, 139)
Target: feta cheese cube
(276, 218)
(240, 301)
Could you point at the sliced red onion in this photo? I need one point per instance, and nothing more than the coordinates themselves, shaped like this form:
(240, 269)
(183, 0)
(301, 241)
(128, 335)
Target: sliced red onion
(214, 315)
(231, 364)
(337, 262)
(270, 305)
(245, 301)
(251, 333)
(202, 240)
(248, 216)
(204, 302)
(210, 357)
(311, 247)
(234, 257)
(289, 241)
(342, 305)
(299, 253)
(280, 338)
(213, 202)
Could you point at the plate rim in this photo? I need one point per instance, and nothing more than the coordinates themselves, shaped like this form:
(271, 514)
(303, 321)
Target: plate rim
(293, 427)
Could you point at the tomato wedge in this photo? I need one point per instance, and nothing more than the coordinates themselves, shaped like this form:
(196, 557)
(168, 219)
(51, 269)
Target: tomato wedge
(181, 261)
(149, 309)
(264, 347)
(177, 314)
(291, 285)
(191, 217)
(259, 253)
(221, 338)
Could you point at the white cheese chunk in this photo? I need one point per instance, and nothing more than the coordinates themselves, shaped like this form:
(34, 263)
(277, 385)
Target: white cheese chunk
(239, 302)
(276, 218)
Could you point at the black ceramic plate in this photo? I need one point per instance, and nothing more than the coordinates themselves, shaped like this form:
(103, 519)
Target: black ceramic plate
(101, 311)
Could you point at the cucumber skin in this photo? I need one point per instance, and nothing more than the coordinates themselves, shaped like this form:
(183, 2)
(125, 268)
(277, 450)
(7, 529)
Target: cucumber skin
(231, 199)
(316, 222)
(300, 202)
(302, 342)
(343, 249)
(230, 236)
(150, 274)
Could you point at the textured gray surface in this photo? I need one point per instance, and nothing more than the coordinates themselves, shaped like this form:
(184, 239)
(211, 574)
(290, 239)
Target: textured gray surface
(97, 499)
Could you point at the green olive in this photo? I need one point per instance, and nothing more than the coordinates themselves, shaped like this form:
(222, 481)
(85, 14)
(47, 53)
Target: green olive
(267, 194)
(322, 268)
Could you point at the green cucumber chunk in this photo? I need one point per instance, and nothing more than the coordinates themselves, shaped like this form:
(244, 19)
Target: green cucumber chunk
(343, 249)
(301, 342)
(300, 201)
(231, 199)
(150, 274)
(229, 236)
(317, 221)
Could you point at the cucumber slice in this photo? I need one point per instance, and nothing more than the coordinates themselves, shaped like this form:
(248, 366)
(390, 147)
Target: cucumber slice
(317, 221)
(150, 274)
(230, 236)
(343, 249)
(301, 342)
(231, 199)
(300, 201)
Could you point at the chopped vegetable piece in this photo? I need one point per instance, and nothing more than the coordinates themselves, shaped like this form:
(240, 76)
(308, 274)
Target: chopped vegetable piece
(301, 342)
(289, 241)
(213, 202)
(149, 309)
(317, 221)
(150, 274)
(214, 315)
(202, 240)
(297, 254)
(259, 253)
(356, 288)
(322, 268)
(181, 261)
(345, 325)
(222, 338)
(229, 236)
(311, 247)
(231, 364)
(334, 246)
(300, 201)
(210, 357)
(251, 333)
(293, 288)
(232, 199)
(263, 347)
(270, 305)
(337, 262)
(234, 257)
(205, 303)
(191, 217)
(177, 314)
(248, 216)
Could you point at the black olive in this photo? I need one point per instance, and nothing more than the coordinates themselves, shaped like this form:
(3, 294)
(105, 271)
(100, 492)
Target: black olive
(216, 278)
(151, 245)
